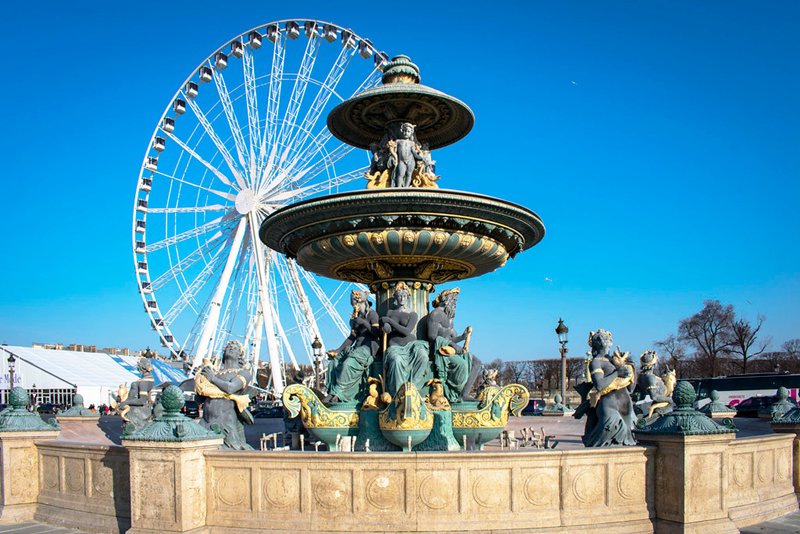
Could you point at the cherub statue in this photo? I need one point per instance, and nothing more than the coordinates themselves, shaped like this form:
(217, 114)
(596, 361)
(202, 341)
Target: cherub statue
(406, 155)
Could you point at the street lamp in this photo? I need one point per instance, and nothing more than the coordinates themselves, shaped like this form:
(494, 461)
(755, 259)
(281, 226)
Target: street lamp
(11, 363)
(316, 346)
(561, 332)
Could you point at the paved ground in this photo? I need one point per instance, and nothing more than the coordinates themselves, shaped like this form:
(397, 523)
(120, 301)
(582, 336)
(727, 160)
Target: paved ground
(787, 524)
(567, 431)
(783, 525)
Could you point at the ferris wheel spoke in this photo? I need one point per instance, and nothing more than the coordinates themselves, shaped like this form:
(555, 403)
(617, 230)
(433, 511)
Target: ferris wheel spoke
(295, 302)
(325, 161)
(326, 90)
(251, 98)
(326, 303)
(286, 345)
(370, 81)
(183, 236)
(233, 303)
(188, 295)
(273, 102)
(221, 194)
(212, 134)
(222, 178)
(187, 261)
(329, 184)
(193, 209)
(298, 92)
(233, 123)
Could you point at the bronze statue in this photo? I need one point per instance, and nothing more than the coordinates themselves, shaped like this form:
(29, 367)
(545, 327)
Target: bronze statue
(406, 358)
(650, 384)
(137, 408)
(400, 160)
(608, 408)
(224, 396)
(453, 363)
(349, 366)
(405, 155)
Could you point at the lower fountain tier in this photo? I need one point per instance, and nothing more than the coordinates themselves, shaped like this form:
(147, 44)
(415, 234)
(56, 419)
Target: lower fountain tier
(399, 234)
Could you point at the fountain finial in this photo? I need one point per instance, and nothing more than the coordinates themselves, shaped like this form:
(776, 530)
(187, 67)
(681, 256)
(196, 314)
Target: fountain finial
(400, 70)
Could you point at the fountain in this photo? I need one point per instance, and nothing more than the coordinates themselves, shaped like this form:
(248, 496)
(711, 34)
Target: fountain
(402, 236)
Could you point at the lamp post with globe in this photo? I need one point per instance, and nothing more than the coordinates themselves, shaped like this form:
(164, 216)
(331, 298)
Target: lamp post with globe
(562, 331)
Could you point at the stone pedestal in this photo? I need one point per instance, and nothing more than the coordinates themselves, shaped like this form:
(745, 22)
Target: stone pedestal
(691, 479)
(792, 428)
(168, 485)
(19, 487)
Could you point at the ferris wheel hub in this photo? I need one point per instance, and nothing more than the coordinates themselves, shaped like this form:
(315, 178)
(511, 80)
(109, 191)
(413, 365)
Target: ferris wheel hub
(246, 201)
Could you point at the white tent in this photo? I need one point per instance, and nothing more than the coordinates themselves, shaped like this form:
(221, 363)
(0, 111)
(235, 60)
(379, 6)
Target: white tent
(95, 375)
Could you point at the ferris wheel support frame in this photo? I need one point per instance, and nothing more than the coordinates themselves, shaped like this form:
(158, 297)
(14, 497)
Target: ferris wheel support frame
(210, 326)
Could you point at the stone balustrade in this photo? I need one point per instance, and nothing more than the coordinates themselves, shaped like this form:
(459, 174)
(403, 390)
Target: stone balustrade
(624, 489)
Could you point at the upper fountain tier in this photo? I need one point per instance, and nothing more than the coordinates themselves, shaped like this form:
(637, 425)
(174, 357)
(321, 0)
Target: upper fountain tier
(365, 119)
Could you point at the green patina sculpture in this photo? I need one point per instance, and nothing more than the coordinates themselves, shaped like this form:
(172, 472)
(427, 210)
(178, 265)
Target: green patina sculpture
(716, 407)
(172, 425)
(78, 409)
(558, 406)
(17, 418)
(137, 409)
(779, 407)
(407, 359)
(684, 420)
(607, 406)
(648, 384)
(223, 393)
(348, 368)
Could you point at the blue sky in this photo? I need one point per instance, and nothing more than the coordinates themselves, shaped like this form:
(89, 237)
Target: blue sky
(657, 141)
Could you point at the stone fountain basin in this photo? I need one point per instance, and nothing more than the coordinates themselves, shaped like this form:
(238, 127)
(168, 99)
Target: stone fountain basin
(431, 234)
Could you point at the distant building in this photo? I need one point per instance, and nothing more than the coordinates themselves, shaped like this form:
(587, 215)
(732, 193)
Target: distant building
(77, 347)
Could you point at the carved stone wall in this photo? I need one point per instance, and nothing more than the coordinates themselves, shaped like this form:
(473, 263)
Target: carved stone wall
(760, 479)
(168, 485)
(84, 486)
(338, 492)
(19, 465)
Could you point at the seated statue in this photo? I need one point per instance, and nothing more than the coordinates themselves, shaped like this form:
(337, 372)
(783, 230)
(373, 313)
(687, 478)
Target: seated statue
(650, 384)
(137, 408)
(453, 364)
(224, 396)
(608, 408)
(406, 358)
(348, 369)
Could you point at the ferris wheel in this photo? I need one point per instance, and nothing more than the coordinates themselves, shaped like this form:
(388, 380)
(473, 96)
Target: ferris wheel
(244, 135)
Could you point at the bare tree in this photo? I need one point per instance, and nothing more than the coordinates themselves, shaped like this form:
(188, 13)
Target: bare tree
(709, 333)
(744, 340)
(792, 348)
(674, 352)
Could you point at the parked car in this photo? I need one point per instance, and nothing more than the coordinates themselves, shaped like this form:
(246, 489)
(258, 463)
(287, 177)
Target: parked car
(751, 405)
(191, 409)
(268, 412)
(534, 407)
(46, 408)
